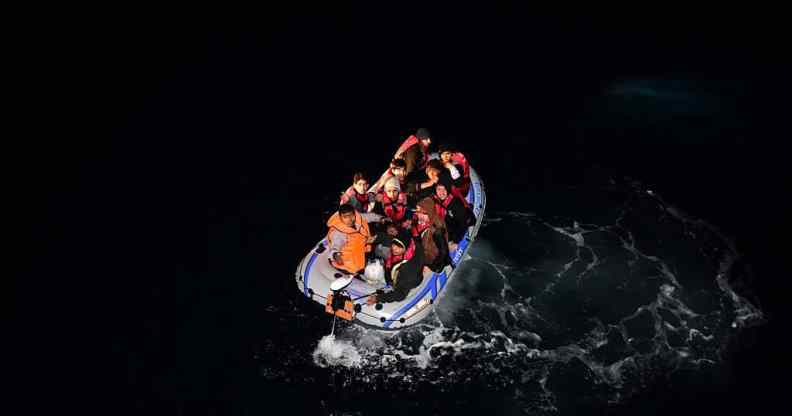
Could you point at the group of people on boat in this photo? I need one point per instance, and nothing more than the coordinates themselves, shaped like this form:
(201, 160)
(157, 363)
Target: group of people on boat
(412, 218)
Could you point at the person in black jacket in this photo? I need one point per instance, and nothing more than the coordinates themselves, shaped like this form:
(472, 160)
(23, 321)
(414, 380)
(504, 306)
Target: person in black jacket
(454, 213)
(403, 269)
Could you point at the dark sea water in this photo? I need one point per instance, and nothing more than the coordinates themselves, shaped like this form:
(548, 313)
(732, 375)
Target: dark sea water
(628, 262)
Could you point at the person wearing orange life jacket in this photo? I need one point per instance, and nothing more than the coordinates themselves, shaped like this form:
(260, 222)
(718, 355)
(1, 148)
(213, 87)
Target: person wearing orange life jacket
(402, 269)
(392, 203)
(458, 167)
(396, 169)
(357, 195)
(456, 216)
(415, 151)
(349, 239)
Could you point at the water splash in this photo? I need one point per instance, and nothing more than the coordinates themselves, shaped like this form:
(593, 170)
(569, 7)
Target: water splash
(331, 352)
(576, 309)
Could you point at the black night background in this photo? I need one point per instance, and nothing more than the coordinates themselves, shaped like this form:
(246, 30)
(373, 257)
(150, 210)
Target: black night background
(190, 163)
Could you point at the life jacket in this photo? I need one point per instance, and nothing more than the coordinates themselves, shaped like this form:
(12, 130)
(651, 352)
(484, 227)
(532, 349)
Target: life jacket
(395, 210)
(352, 193)
(458, 193)
(353, 253)
(459, 159)
(413, 140)
(418, 228)
(393, 260)
(442, 206)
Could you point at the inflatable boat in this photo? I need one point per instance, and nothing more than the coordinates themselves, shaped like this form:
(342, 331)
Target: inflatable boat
(345, 297)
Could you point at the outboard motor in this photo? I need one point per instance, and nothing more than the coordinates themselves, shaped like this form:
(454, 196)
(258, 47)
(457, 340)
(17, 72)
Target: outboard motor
(339, 303)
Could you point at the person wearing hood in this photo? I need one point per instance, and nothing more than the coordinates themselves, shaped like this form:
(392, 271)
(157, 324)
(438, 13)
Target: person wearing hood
(402, 269)
(392, 202)
(349, 239)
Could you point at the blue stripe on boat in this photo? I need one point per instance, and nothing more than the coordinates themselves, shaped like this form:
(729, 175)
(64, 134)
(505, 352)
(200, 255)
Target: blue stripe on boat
(308, 269)
(432, 285)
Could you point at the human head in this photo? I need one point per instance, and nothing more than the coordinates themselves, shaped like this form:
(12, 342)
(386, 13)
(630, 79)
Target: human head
(446, 152)
(433, 168)
(360, 183)
(441, 191)
(398, 168)
(399, 243)
(392, 229)
(347, 214)
(423, 135)
(392, 188)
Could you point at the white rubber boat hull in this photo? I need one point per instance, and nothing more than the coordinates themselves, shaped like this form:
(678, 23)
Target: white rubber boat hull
(315, 274)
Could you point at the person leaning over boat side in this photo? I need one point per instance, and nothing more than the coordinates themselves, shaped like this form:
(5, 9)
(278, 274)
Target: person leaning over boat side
(430, 229)
(457, 166)
(454, 213)
(357, 195)
(349, 239)
(396, 169)
(402, 269)
(392, 203)
(415, 151)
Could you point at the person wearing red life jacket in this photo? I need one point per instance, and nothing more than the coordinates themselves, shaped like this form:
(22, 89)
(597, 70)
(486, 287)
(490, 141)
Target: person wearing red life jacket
(458, 168)
(402, 269)
(396, 169)
(432, 234)
(415, 151)
(453, 212)
(392, 203)
(357, 195)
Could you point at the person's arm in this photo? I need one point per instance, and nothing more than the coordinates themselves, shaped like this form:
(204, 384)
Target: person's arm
(371, 217)
(337, 241)
(380, 182)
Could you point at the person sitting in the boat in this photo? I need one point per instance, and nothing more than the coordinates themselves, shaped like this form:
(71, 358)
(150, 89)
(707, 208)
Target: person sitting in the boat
(457, 166)
(422, 186)
(402, 269)
(454, 213)
(382, 239)
(392, 202)
(431, 230)
(349, 239)
(396, 169)
(415, 151)
(357, 195)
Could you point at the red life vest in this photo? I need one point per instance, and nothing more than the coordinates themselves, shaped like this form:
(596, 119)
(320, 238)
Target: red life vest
(352, 193)
(407, 255)
(395, 210)
(442, 206)
(459, 159)
(419, 228)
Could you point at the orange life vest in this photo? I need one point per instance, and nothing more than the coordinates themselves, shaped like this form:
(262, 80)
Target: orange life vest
(353, 253)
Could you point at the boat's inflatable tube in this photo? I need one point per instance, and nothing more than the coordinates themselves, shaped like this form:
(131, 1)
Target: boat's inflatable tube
(315, 275)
